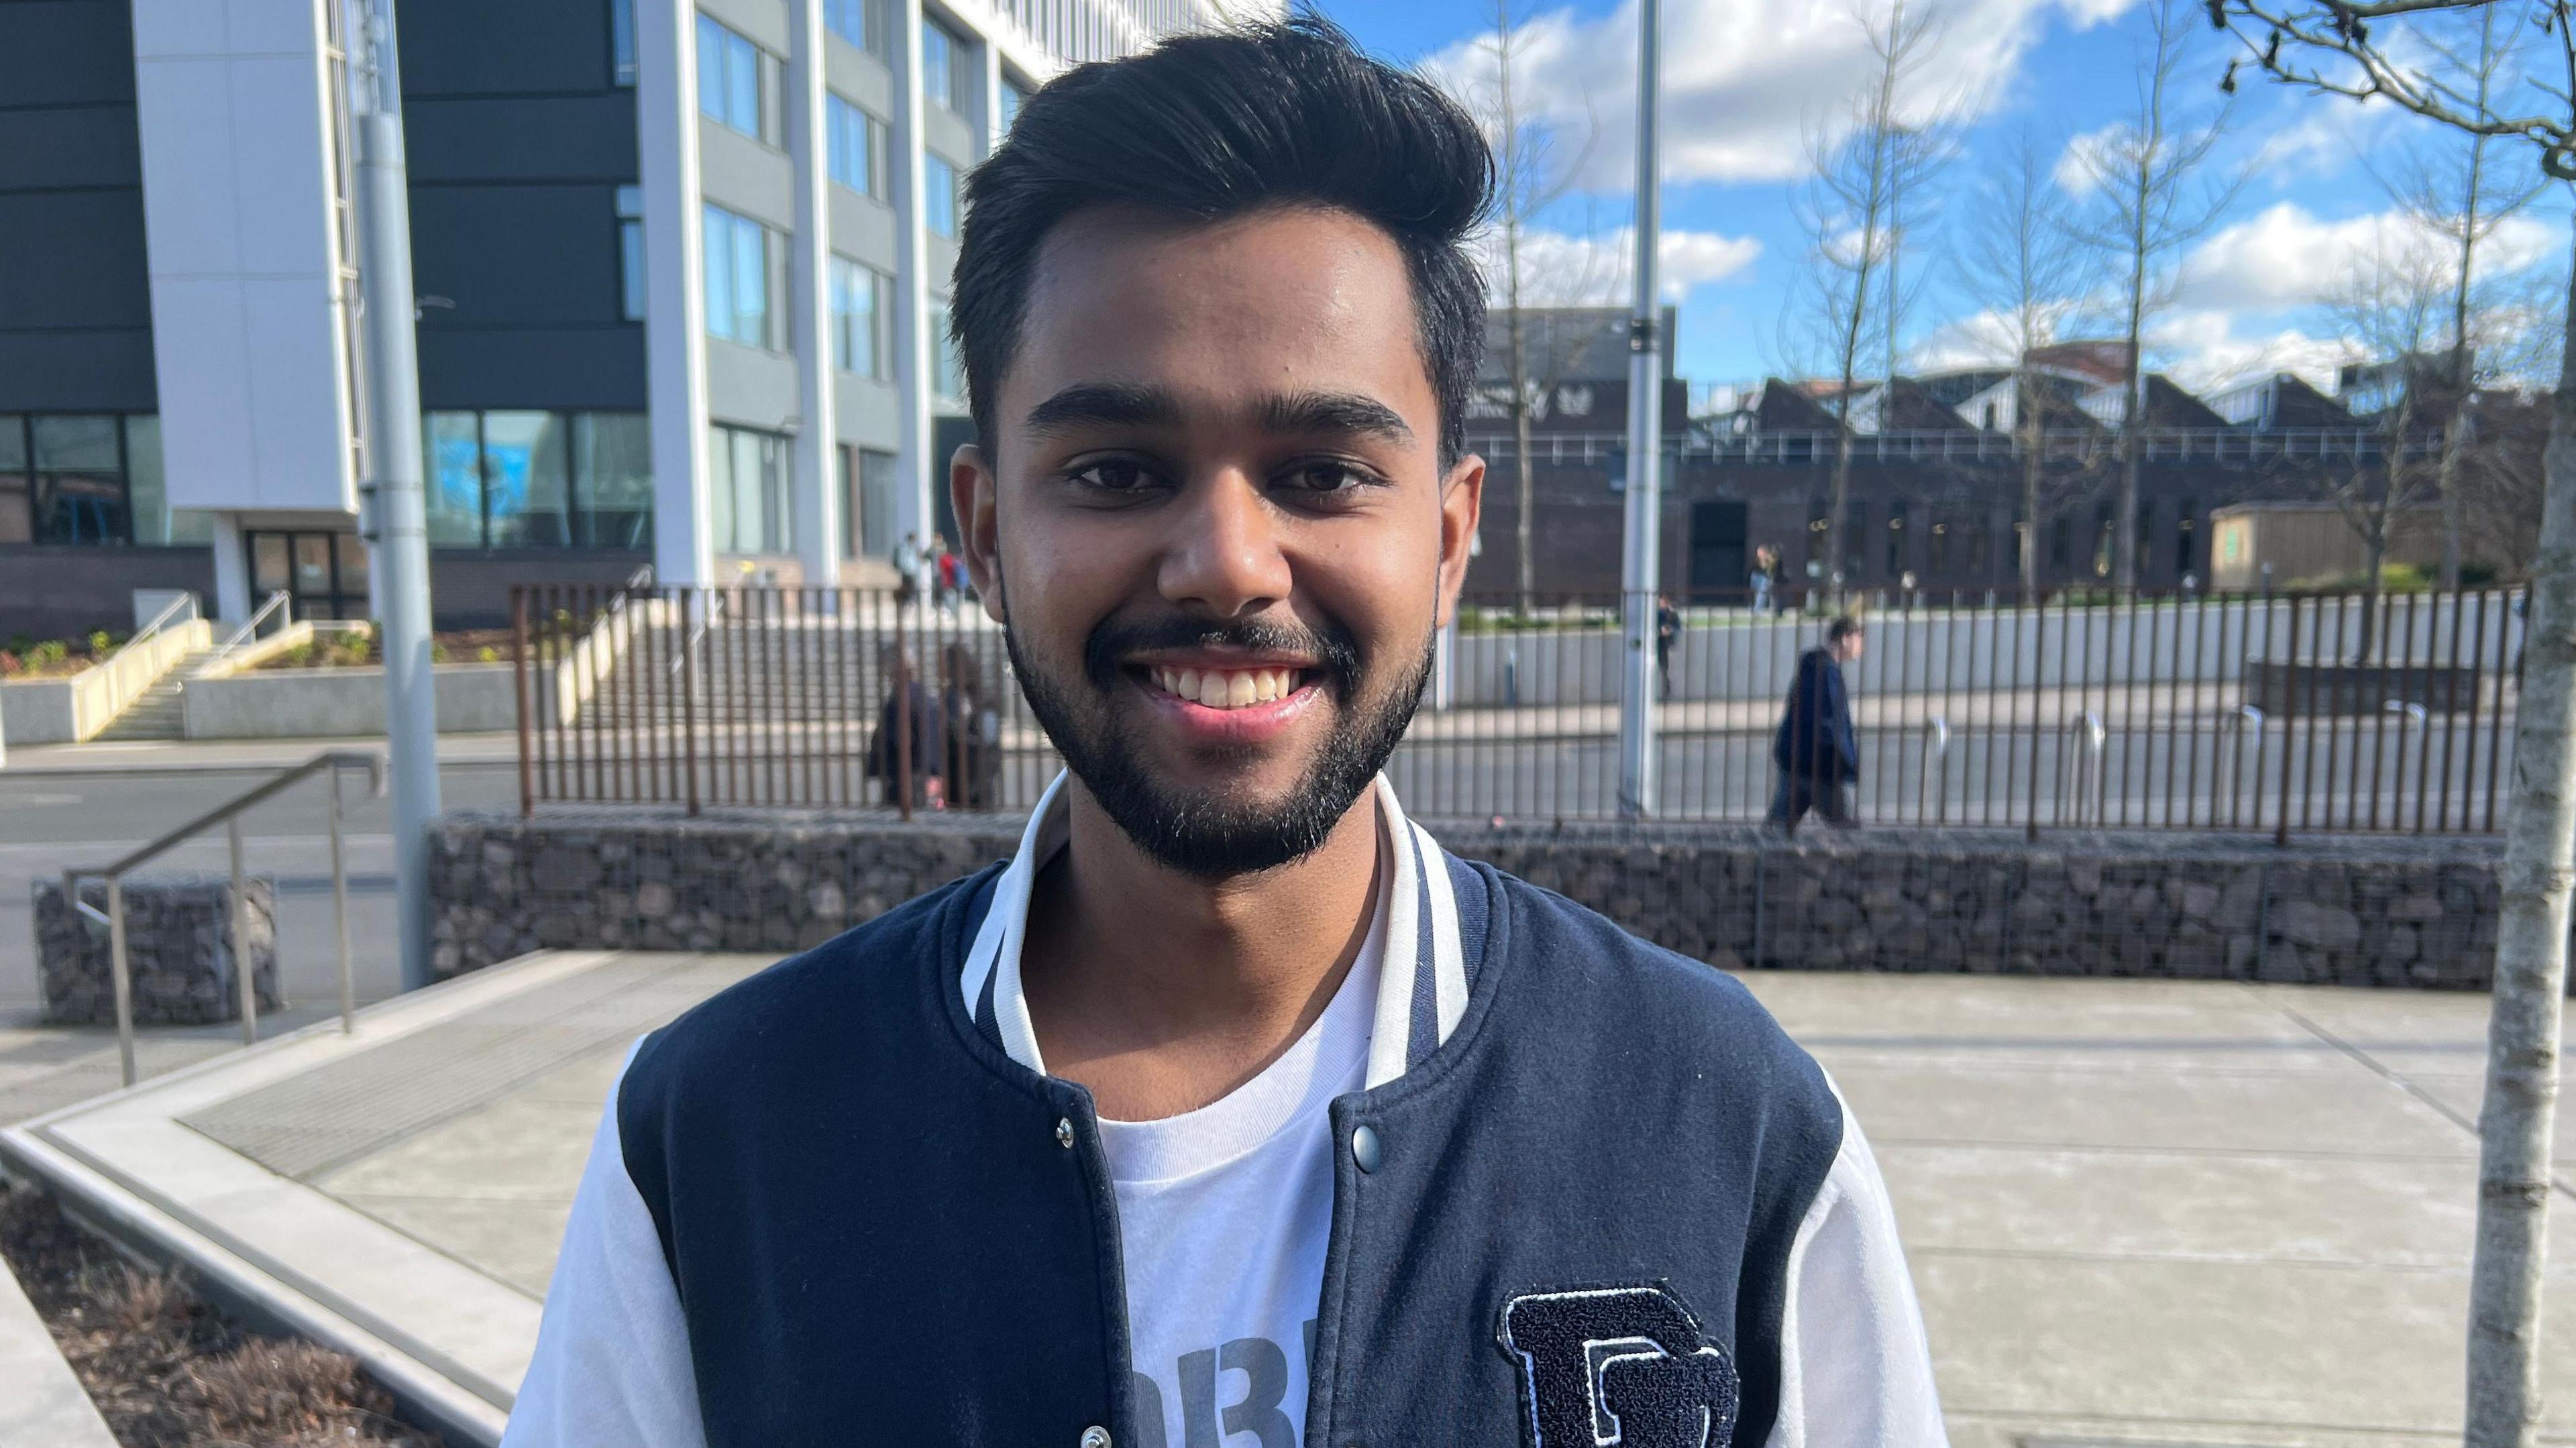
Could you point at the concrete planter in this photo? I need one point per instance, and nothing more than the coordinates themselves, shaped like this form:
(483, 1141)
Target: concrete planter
(341, 703)
(73, 708)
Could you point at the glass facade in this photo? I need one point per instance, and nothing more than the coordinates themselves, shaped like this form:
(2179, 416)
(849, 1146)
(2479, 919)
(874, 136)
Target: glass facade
(739, 84)
(746, 280)
(630, 252)
(87, 478)
(526, 479)
(854, 147)
(621, 41)
(867, 24)
(939, 195)
(867, 502)
(862, 319)
(940, 50)
(747, 490)
(1014, 96)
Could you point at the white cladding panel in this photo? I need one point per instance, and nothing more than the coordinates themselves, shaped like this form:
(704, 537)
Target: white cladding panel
(247, 327)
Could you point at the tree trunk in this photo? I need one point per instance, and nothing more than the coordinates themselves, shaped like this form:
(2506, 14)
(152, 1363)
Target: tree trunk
(2374, 547)
(2530, 975)
(1838, 502)
(2026, 422)
(1523, 472)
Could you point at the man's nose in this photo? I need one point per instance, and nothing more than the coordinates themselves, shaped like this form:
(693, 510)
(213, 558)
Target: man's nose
(1223, 554)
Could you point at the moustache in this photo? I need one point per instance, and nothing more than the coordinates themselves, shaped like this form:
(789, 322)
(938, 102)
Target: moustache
(1335, 651)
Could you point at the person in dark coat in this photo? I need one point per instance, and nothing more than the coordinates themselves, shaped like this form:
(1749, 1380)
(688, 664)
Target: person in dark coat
(1817, 754)
(890, 750)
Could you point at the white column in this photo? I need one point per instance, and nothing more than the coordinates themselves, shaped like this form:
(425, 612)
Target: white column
(992, 90)
(817, 489)
(916, 471)
(675, 327)
(232, 570)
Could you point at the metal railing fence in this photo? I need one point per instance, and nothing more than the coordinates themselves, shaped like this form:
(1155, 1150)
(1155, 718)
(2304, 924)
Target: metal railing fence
(2284, 714)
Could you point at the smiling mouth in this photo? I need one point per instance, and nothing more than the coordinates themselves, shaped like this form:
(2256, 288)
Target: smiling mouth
(1226, 688)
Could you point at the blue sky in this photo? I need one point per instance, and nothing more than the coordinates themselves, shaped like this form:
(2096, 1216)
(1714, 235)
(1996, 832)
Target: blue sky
(1746, 79)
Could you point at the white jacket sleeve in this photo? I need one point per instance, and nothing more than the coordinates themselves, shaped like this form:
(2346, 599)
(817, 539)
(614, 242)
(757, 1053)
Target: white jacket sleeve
(1855, 1371)
(612, 1363)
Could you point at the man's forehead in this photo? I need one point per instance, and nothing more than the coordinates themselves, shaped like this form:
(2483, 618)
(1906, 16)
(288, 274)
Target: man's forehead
(1271, 304)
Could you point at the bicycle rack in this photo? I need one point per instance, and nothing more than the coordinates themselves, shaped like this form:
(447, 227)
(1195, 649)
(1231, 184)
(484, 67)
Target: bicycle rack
(2091, 786)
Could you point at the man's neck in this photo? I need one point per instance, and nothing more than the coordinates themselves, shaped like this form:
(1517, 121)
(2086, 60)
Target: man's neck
(1161, 992)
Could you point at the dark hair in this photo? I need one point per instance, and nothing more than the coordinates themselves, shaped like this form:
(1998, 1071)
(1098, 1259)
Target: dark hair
(1841, 628)
(1217, 124)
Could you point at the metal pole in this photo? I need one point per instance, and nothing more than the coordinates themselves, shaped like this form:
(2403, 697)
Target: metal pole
(340, 913)
(243, 985)
(121, 972)
(393, 455)
(1640, 567)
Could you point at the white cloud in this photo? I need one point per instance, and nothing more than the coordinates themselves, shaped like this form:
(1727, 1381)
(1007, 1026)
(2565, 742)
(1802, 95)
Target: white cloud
(1559, 269)
(2083, 158)
(2284, 257)
(2201, 350)
(1743, 79)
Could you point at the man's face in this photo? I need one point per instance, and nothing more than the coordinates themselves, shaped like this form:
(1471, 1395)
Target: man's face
(1848, 647)
(1215, 525)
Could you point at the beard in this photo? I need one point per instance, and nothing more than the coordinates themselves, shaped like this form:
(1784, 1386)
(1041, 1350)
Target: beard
(1196, 833)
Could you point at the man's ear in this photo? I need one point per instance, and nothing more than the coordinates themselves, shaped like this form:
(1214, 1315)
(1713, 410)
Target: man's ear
(972, 491)
(1462, 506)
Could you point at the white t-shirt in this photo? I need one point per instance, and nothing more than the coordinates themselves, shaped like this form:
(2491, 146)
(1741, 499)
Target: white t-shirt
(1224, 1214)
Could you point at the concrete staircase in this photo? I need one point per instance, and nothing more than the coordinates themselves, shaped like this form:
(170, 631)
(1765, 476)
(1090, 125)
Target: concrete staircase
(156, 714)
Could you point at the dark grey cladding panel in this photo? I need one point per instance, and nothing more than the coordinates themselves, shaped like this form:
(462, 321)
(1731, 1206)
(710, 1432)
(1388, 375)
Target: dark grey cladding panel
(500, 47)
(574, 368)
(521, 138)
(516, 255)
(73, 259)
(65, 52)
(84, 370)
(90, 146)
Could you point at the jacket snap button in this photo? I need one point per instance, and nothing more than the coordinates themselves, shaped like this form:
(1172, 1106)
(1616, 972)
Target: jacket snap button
(1095, 1438)
(1064, 1138)
(1364, 1148)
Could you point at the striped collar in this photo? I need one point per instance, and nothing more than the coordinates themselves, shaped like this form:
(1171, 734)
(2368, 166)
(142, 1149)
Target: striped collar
(1422, 980)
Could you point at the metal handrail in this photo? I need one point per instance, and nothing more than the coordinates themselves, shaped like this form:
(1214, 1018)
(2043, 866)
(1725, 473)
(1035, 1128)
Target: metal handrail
(248, 631)
(2086, 767)
(229, 815)
(187, 601)
(1936, 753)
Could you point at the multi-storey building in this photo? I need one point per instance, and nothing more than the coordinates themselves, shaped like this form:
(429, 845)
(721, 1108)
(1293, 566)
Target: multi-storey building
(681, 270)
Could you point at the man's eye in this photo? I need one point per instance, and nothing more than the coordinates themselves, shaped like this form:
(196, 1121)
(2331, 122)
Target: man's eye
(1113, 475)
(1326, 478)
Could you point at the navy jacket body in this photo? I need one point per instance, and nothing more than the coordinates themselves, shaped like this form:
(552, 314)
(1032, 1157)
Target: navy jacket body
(885, 1230)
(1815, 739)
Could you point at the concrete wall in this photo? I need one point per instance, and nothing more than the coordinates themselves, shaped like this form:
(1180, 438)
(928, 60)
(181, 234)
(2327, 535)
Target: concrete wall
(2411, 913)
(67, 710)
(340, 703)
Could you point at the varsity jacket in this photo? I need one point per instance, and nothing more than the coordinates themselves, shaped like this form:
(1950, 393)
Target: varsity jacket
(1590, 1195)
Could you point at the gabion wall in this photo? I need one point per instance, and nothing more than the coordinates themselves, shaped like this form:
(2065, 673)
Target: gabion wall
(2410, 912)
(178, 946)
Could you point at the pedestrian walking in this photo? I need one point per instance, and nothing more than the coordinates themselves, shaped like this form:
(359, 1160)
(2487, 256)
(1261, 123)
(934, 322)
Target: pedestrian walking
(946, 573)
(1817, 754)
(908, 743)
(974, 730)
(1766, 563)
(1231, 1092)
(907, 570)
(1668, 627)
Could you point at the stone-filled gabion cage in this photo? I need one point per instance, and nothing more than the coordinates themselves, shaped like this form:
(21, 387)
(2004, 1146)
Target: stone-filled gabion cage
(178, 946)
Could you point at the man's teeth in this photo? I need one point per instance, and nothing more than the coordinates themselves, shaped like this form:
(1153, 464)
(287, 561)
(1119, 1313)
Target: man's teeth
(1226, 688)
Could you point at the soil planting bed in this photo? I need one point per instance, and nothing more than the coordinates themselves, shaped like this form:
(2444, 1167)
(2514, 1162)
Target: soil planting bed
(169, 1371)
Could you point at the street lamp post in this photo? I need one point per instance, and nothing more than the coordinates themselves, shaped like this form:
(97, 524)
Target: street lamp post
(1641, 563)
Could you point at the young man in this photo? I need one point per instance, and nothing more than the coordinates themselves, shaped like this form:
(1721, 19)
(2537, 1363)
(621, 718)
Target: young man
(1232, 1111)
(1818, 755)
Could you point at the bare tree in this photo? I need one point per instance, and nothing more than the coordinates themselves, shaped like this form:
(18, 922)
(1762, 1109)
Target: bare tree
(2367, 51)
(2152, 192)
(1530, 178)
(2021, 265)
(1882, 152)
(2390, 304)
(2450, 189)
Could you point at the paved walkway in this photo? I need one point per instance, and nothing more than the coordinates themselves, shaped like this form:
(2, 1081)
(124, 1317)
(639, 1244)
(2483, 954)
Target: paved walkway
(2137, 1211)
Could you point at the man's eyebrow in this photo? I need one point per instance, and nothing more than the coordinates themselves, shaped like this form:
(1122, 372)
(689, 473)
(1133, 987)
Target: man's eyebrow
(1105, 404)
(1334, 412)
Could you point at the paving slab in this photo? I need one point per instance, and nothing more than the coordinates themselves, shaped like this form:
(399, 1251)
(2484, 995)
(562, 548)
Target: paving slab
(44, 1405)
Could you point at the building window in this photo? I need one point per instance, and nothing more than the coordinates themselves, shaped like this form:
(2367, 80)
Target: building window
(939, 185)
(867, 24)
(630, 252)
(531, 479)
(621, 41)
(854, 147)
(867, 502)
(746, 280)
(87, 479)
(747, 490)
(862, 318)
(946, 77)
(1013, 97)
(948, 379)
(739, 84)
